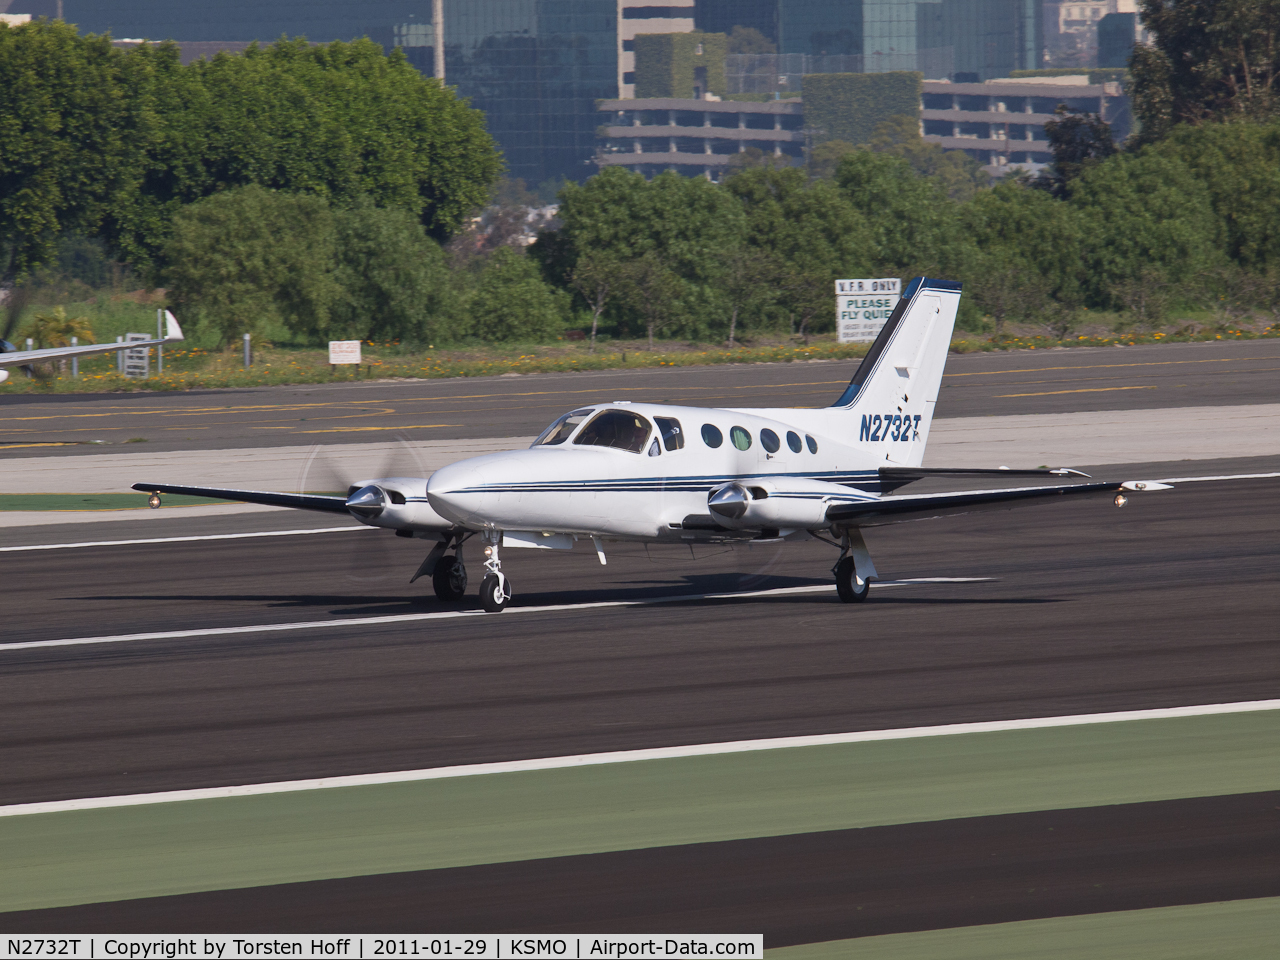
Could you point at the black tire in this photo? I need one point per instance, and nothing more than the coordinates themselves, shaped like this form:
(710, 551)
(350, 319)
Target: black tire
(492, 598)
(450, 578)
(847, 583)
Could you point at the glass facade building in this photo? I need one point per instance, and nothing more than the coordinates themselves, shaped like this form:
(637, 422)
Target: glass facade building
(535, 67)
(972, 40)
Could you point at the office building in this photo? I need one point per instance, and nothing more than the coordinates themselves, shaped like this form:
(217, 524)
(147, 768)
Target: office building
(976, 39)
(721, 16)
(1117, 35)
(535, 67)
(1000, 123)
(676, 16)
(695, 137)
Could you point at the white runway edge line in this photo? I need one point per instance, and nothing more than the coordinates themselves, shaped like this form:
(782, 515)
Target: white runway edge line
(454, 615)
(209, 536)
(631, 756)
(1235, 476)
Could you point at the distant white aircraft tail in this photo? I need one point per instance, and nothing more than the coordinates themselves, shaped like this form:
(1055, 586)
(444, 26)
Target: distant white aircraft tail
(893, 394)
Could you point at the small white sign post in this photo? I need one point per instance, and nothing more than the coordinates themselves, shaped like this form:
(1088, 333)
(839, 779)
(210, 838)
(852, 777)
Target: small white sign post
(344, 351)
(862, 307)
(137, 361)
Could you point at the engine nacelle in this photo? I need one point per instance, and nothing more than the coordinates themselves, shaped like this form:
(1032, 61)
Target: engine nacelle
(396, 503)
(769, 504)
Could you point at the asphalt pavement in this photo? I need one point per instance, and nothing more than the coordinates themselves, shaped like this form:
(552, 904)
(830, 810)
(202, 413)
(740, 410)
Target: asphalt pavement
(830, 885)
(983, 384)
(1066, 608)
(1170, 601)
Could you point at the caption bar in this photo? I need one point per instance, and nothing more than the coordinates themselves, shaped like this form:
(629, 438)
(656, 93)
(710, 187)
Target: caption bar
(308, 947)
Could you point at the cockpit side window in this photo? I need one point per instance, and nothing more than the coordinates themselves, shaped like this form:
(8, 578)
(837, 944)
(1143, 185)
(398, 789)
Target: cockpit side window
(672, 435)
(561, 430)
(619, 429)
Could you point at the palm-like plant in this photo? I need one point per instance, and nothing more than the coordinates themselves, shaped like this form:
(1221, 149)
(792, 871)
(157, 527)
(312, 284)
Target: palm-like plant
(56, 329)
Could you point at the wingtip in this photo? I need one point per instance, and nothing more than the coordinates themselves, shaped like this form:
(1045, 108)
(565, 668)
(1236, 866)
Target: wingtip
(172, 331)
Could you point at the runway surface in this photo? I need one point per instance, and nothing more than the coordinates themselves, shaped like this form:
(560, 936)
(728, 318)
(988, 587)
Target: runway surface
(1053, 381)
(1168, 602)
(1073, 608)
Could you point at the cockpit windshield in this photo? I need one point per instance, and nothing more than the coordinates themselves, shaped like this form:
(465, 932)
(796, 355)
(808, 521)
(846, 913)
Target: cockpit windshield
(620, 429)
(562, 429)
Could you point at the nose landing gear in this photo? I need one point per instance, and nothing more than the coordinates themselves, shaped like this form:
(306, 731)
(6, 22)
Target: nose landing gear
(495, 589)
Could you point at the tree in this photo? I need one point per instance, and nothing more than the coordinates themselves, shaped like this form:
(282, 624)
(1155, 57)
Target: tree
(1146, 297)
(913, 225)
(391, 278)
(750, 40)
(255, 261)
(512, 302)
(340, 121)
(1012, 224)
(1209, 60)
(654, 288)
(825, 157)
(1239, 164)
(596, 277)
(69, 139)
(955, 173)
(747, 279)
(1006, 289)
(1141, 211)
(56, 329)
(1077, 141)
(807, 234)
(683, 222)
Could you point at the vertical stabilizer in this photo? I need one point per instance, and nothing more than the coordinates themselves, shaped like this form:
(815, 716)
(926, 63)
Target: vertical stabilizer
(893, 394)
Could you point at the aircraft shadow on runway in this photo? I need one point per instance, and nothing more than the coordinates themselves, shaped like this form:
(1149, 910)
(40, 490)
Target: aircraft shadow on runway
(692, 586)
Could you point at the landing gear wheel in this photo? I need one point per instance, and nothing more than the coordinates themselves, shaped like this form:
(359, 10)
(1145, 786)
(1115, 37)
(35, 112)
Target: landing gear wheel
(495, 594)
(847, 583)
(450, 578)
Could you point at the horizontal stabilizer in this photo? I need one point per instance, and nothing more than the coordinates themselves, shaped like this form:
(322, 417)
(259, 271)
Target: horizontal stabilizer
(870, 513)
(919, 473)
(299, 501)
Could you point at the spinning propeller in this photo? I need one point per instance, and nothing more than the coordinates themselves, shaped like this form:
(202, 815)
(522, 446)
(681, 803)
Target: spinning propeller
(327, 471)
(14, 304)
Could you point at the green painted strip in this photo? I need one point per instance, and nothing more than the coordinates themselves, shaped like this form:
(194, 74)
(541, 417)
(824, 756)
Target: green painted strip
(1236, 930)
(94, 501)
(122, 853)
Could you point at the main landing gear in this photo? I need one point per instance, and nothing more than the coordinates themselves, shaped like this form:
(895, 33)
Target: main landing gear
(854, 571)
(449, 574)
(450, 577)
(495, 589)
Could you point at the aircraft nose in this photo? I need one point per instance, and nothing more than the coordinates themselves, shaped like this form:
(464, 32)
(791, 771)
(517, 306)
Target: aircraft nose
(729, 501)
(451, 491)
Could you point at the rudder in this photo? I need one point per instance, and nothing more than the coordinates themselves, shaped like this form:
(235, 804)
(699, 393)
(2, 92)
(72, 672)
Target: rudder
(892, 396)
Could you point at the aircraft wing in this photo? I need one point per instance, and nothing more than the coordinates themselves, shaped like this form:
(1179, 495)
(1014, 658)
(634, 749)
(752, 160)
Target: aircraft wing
(896, 509)
(17, 358)
(301, 501)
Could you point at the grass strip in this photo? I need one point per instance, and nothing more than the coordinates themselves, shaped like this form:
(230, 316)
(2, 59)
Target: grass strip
(89, 856)
(1234, 930)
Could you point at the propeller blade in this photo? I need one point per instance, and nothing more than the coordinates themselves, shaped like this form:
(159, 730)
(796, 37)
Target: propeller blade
(14, 304)
(382, 556)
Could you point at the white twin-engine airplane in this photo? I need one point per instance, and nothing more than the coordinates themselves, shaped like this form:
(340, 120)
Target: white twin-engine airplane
(10, 356)
(656, 473)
